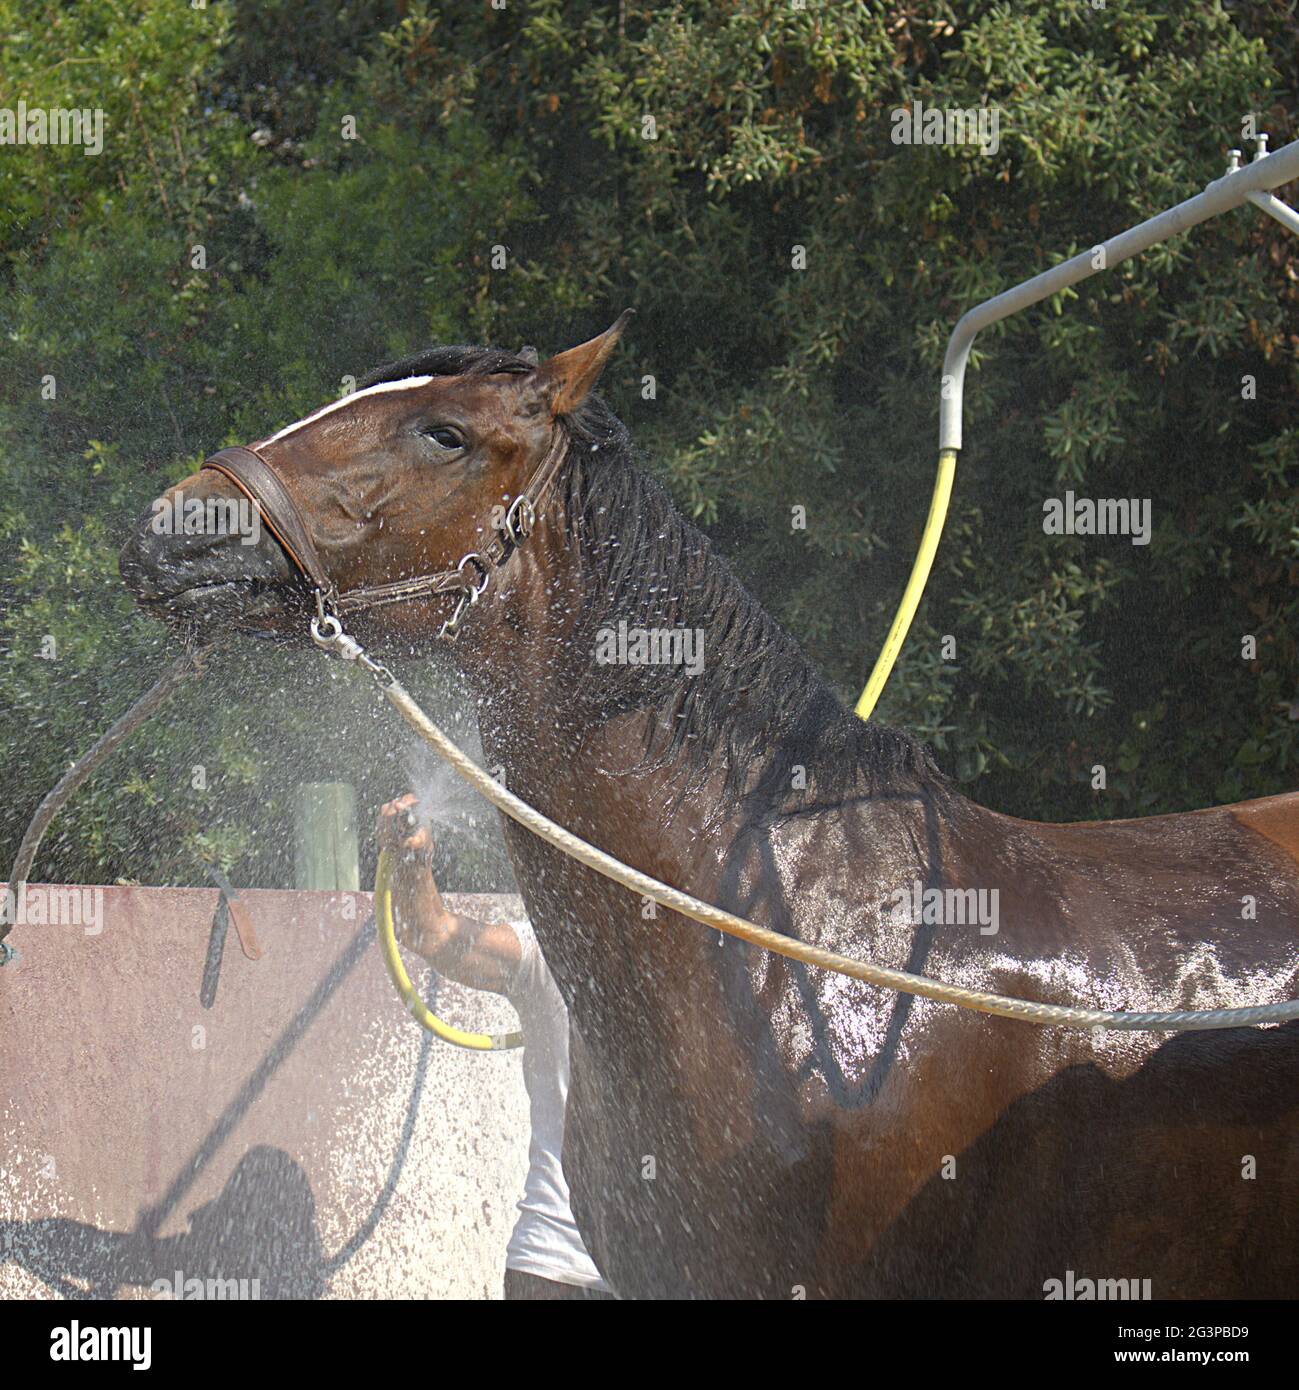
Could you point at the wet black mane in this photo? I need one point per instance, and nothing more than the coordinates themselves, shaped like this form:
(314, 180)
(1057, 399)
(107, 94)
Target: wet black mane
(450, 361)
(759, 707)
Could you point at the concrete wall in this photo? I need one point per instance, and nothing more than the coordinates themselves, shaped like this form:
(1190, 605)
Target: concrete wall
(302, 1132)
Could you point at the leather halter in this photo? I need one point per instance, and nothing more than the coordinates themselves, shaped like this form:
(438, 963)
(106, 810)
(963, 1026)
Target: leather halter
(259, 481)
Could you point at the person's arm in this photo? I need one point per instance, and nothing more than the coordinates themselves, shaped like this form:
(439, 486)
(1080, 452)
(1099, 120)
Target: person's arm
(473, 953)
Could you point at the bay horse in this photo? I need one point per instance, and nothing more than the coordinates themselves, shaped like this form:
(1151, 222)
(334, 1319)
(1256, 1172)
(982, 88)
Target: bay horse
(739, 1125)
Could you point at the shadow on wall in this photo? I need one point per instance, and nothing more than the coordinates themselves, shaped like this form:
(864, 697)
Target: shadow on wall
(258, 1239)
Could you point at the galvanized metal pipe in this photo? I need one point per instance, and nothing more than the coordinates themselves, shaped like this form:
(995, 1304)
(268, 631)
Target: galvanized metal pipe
(1237, 186)
(1274, 207)
(1265, 172)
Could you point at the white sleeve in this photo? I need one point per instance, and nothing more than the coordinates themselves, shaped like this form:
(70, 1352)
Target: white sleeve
(532, 964)
(533, 987)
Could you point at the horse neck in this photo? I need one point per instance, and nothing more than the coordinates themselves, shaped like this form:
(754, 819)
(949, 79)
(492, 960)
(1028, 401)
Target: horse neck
(544, 705)
(540, 701)
(543, 724)
(540, 716)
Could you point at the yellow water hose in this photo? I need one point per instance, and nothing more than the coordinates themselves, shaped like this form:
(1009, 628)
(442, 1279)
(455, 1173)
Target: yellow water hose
(915, 585)
(415, 1006)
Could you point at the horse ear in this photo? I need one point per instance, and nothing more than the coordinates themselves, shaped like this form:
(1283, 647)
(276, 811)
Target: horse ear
(567, 378)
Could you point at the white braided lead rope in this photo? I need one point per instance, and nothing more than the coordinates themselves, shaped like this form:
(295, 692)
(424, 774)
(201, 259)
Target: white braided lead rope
(672, 898)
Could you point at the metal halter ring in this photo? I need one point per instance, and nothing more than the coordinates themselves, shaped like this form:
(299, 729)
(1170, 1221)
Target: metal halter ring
(473, 592)
(520, 519)
(327, 633)
(326, 630)
(469, 595)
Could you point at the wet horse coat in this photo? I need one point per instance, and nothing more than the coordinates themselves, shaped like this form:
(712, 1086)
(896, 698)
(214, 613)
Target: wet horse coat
(807, 1131)
(739, 1124)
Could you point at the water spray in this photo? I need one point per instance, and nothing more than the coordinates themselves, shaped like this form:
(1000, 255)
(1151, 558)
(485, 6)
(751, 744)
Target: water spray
(185, 668)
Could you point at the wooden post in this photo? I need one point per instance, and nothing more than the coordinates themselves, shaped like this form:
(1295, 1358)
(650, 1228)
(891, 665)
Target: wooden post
(324, 837)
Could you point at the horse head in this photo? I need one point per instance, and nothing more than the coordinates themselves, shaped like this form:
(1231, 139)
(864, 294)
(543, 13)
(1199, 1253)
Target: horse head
(402, 502)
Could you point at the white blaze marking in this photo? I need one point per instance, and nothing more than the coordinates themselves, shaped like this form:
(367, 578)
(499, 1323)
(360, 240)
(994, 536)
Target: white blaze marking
(409, 383)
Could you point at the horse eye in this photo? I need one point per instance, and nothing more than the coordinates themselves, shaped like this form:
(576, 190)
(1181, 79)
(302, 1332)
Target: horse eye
(447, 438)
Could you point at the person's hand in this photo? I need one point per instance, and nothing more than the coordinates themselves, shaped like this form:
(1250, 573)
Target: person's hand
(478, 954)
(419, 917)
(400, 832)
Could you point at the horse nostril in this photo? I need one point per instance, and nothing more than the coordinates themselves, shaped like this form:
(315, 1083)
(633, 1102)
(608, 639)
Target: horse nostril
(141, 562)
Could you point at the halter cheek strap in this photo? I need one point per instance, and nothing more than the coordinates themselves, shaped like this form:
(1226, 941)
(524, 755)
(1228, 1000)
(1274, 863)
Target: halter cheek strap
(259, 481)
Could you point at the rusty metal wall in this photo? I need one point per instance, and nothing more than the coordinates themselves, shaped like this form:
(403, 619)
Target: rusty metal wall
(301, 1132)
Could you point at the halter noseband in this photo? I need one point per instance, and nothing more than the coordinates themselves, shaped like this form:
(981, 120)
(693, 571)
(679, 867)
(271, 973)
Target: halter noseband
(270, 493)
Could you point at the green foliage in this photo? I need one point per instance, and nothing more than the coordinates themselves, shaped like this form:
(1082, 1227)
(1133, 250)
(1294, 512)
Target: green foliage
(672, 156)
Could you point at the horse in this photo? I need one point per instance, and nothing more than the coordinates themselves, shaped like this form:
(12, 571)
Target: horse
(738, 1124)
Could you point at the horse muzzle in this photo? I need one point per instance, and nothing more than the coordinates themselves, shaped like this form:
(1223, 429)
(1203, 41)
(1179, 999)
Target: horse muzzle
(202, 557)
